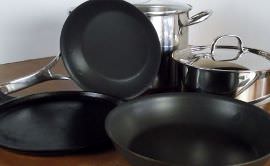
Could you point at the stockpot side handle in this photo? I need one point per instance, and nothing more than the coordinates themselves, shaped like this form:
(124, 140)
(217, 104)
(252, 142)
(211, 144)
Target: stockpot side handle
(44, 74)
(200, 17)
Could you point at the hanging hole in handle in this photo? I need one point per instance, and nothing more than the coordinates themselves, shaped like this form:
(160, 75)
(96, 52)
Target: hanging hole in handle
(227, 49)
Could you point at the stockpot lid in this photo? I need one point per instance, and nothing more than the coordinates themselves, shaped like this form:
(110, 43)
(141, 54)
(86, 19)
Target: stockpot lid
(161, 7)
(224, 57)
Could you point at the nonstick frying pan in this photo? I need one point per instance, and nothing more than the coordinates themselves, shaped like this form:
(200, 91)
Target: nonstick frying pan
(190, 129)
(108, 47)
(56, 123)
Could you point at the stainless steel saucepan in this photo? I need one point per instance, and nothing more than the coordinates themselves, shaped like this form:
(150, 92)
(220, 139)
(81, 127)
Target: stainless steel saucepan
(235, 71)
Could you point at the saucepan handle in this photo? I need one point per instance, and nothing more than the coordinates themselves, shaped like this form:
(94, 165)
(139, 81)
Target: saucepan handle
(246, 79)
(263, 99)
(44, 74)
(200, 17)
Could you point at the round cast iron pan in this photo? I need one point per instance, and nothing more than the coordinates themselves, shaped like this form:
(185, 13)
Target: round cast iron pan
(56, 123)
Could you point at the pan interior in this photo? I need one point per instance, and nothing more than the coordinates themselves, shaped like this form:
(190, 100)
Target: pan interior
(193, 145)
(54, 123)
(191, 129)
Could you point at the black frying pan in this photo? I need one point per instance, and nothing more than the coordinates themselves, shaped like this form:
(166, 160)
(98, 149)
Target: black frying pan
(109, 47)
(190, 129)
(56, 123)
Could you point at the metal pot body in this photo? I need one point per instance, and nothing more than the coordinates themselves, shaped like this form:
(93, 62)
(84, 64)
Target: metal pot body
(172, 27)
(171, 23)
(172, 30)
(243, 85)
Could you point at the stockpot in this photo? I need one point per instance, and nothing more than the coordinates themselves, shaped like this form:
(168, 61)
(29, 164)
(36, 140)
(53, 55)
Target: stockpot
(229, 70)
(171, 21)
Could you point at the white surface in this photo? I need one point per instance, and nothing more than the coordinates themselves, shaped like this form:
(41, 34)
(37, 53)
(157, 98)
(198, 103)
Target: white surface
(248, 19)
(31, 29)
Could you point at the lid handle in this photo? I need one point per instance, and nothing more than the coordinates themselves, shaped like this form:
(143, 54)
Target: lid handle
(240, 47)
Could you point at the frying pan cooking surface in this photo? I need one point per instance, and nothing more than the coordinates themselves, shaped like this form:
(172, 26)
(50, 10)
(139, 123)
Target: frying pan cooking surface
(193, 145)
(110, 47)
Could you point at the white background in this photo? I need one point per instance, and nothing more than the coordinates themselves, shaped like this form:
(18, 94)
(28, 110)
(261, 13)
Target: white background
(31, 29)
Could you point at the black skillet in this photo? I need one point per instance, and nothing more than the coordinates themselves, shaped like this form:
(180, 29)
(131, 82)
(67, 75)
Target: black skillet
(108, 47)
(56, 123)
(190, 129)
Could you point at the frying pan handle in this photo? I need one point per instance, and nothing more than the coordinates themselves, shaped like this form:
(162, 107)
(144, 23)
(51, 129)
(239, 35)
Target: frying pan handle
(200, 17)
(261, 101)
(44, 74)
(5, 98)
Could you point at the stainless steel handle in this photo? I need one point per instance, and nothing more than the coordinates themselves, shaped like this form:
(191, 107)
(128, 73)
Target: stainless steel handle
(200, 17)
(261, 101)
(240, 47)
(247, 78)
(44, 74)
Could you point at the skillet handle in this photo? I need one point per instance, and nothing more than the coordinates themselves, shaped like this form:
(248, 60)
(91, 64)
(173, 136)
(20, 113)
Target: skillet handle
(5, 98)
(44, 74)
(261, 101)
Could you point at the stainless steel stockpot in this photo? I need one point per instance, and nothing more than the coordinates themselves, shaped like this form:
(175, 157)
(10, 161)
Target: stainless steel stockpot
(235, 71)
(171, 22)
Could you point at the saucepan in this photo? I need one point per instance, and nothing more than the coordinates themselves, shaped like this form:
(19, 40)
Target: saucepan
(230, 70)
(198, 129)
(112, 66)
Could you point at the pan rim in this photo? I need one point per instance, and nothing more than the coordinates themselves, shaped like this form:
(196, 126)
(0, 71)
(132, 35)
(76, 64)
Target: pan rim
(19, 99)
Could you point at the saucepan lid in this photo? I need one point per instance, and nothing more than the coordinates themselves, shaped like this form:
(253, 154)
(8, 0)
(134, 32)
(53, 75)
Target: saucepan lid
(224, 57)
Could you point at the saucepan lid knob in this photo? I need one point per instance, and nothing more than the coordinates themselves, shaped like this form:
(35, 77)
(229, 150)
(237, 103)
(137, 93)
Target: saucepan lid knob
(240, 47)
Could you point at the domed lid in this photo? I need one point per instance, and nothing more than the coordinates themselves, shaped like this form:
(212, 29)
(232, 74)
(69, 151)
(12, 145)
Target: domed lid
(224, 57)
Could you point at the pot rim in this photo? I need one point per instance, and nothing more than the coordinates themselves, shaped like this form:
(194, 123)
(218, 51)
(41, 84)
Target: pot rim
(164, 9)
